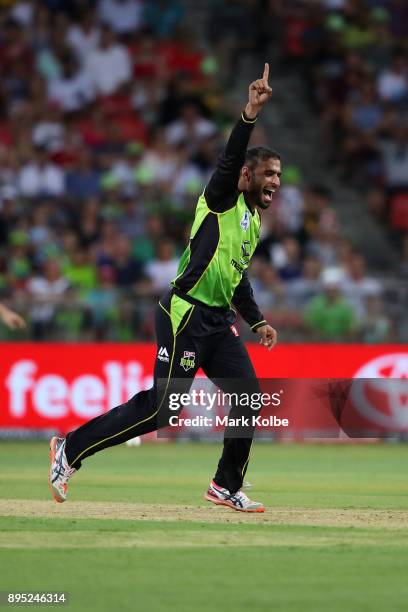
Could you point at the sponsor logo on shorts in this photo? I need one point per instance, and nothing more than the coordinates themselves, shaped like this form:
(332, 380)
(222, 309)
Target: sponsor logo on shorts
(188, 360)
(163, 355)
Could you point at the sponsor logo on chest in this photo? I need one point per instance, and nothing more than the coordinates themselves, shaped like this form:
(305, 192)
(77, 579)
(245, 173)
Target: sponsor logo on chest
(245, 221)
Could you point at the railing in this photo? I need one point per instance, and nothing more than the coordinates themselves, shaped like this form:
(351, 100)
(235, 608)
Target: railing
(124, 316)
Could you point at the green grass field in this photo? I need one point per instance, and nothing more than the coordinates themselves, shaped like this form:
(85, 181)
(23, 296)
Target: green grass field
(136, 533)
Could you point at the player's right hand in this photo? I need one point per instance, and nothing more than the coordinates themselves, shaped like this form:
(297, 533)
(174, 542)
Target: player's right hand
(258, 94)
(12, 319)
(269, 336)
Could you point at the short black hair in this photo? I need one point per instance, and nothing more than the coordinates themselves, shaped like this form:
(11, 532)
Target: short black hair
(257, 154)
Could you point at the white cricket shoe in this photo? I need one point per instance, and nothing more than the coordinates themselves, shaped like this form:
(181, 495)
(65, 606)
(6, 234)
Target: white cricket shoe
(237, 501)
(60, 472)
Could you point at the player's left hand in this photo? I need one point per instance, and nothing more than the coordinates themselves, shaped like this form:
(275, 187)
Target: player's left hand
(269, 336)
(259, 93)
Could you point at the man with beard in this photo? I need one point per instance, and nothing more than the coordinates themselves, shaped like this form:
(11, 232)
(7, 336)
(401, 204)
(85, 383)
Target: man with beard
(194, 320)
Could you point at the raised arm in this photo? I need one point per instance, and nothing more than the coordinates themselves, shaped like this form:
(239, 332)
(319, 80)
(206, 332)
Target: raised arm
(222, 189)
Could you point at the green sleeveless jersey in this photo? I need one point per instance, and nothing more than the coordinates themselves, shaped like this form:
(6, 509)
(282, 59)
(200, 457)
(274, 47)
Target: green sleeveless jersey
(220, 249)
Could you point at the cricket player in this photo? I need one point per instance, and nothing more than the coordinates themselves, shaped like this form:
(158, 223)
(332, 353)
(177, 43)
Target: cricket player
(194, 320)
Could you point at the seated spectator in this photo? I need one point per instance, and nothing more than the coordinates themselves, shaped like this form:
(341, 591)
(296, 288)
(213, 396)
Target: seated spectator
(46, 292)
(356, 285)
(395, 159)
(132, 218)
(84, 180)
(128, 270)
(376, 326)
(90, 222)
(392, 84)
(188, 180)
(19, 265)
(83, 36)
(123, 16)
(73, 89)
(162, 270)
(301, 290)
(191, 128)
(328, 315)
(40, 231)
(80, 271)
(40, 177)
(286, 258)
(108, 67)
(162, 17)
(49, 131)
(144, 249)
(102, 301)
(290, 200)
(158, 163)
(270, 291)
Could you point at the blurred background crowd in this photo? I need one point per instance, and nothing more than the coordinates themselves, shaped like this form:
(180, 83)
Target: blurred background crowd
(112, 115)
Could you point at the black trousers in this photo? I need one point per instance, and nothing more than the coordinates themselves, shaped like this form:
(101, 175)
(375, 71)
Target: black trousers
(189, 336)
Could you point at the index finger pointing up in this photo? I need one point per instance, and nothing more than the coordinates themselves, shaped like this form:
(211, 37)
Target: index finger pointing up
(266, 73)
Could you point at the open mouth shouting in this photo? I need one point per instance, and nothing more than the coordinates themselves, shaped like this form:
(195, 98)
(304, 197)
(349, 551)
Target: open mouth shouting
(267, 195)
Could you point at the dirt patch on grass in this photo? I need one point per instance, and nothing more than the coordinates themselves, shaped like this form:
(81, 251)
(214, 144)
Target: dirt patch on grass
(390, 519)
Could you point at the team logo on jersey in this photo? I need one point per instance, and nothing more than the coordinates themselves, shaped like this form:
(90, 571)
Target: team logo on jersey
(246, 252)
(163, 355)
(188, 360)
(245, 221)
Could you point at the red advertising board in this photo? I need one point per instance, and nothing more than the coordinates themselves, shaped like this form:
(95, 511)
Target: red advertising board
(60, 386)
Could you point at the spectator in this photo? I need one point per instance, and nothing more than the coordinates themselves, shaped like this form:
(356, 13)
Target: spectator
(376, 326)
(162, 17)
(290, 200)
(392, 83)
(132, 218)
(191, 128)
(73, 89)
(83, 36)
(46, 291)
(108, 66)
(163, 269)
(102, 302)
(83, 181)
(286, 257)
(40, 177)
(303, 289)
(123, 16)
(49, 131)
(144, 249)
(356, 285)
(271, 292)
(328, 315)
(395, 160)
(128, 270)
(80, 271)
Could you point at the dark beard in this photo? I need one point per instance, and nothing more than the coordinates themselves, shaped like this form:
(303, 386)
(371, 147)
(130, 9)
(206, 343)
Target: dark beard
(256, 196)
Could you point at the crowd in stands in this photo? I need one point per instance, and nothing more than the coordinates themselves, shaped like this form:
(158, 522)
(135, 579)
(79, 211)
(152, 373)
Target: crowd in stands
(112, 115)
(354, 55)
